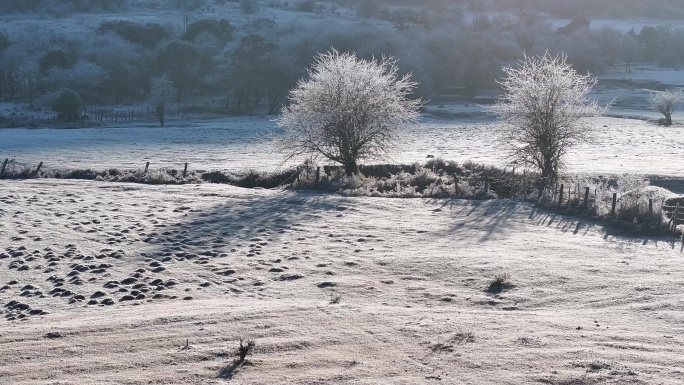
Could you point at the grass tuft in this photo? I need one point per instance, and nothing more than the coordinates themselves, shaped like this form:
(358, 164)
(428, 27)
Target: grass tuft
(499, 283)
(245, 349)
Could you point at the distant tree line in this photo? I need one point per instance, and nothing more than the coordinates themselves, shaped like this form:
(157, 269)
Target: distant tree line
(660, 9)
(59, 7)
(450, 52)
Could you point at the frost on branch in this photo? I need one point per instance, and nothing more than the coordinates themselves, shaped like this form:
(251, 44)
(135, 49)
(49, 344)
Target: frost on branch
(544, 105)
(348, 109)
(666, 102)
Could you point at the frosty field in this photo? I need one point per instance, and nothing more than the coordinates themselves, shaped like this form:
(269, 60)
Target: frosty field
(135, 284)
(239, 144)
(176, 276)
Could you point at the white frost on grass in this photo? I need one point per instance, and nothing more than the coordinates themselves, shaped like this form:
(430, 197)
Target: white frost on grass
(585, 307)
(239, 144)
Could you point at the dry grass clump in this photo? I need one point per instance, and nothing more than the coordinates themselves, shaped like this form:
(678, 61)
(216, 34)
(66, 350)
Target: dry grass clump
(434, 179)
(335, 299)
(15, 170)
(500, 283)
(252, 178)
(245, 349)
(157, 176)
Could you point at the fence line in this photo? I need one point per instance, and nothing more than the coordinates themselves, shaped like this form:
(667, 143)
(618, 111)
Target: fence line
(504, 183)
(110, 115)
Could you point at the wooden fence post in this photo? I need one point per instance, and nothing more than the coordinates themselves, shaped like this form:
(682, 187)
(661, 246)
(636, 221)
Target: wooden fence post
(318, 175)
(185, 169)
(612, 209)
(4, 164)
(147, 166)
(586, 197)
(560, 196)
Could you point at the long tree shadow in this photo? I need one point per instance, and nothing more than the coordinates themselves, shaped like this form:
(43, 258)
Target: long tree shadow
(498, 216)
(241, 219)
(494, 214)
(227, 372)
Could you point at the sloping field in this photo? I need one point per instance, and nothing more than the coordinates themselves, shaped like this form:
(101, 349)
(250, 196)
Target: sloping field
(157, 284)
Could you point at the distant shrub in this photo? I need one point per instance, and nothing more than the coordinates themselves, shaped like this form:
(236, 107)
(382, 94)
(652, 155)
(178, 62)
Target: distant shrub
(68, 105)
(57, 58)
(306, 6)
(220, 29)
(146, 35)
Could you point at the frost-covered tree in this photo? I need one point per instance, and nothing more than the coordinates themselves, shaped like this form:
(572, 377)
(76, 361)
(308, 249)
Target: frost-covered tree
(181, 60)
(544, 107)
(254, 73)
(349, 109)
(127, 66)
(666, 102)
(162, 91)
(249, 6)
(83, 77)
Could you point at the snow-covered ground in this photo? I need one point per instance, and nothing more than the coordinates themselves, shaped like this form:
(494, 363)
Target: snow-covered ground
(157, 284)
(240, 144)
(234, 143)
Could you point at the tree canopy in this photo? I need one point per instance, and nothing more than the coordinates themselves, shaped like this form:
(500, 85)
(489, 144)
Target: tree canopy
(349, 109)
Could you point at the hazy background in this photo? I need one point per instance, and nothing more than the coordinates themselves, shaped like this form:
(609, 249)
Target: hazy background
(242, 57)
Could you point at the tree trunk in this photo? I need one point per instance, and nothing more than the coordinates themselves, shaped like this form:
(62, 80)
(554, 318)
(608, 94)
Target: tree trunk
(351, 168)
(159, 112)
(548, 172)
